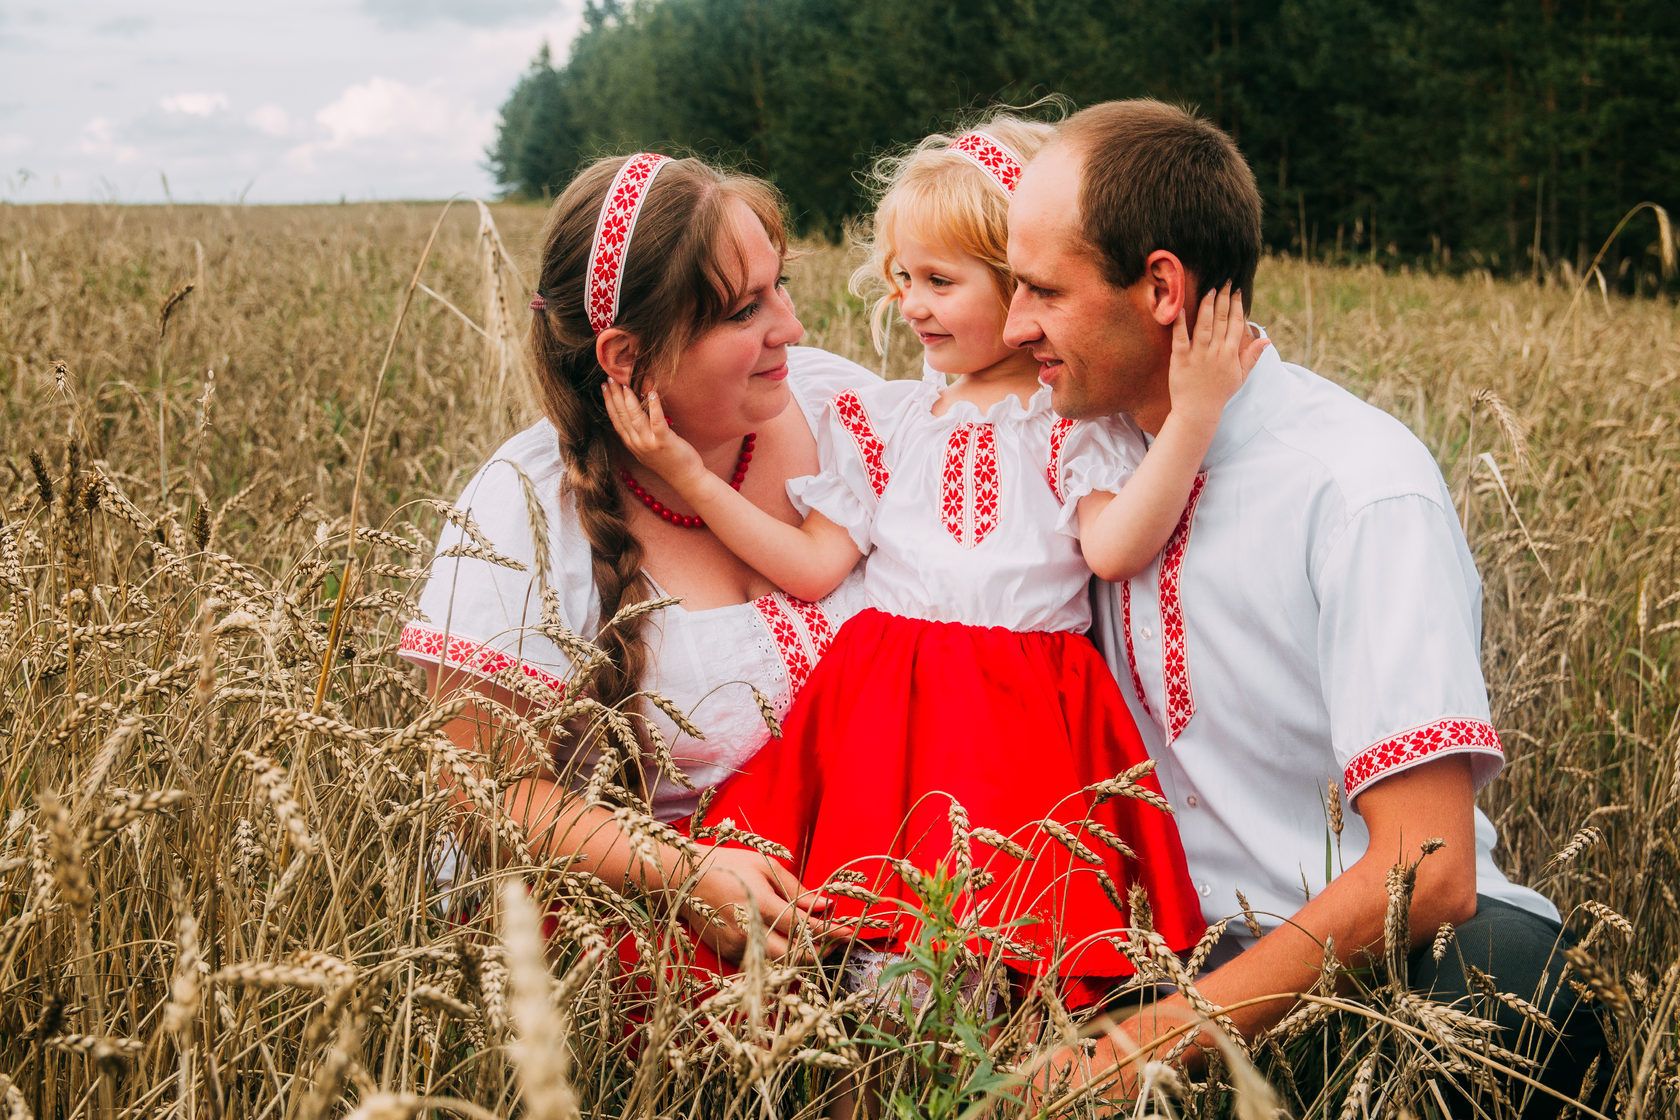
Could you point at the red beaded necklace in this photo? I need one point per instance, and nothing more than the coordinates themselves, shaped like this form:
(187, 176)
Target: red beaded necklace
(689, 521)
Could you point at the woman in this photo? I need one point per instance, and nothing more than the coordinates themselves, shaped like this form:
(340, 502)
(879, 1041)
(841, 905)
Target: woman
(664, 274)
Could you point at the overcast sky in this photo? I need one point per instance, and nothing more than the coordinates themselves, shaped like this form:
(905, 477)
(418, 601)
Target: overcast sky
(291, 101)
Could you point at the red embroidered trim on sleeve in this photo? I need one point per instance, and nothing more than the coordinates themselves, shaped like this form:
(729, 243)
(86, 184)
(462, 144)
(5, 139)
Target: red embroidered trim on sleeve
(870, 448)
(1053, 471)
(428, 644)
(1175, 664)
(969, 490)
(1444, 736)
(801, 631)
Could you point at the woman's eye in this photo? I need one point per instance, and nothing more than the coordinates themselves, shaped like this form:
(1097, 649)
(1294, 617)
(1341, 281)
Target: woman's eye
(781, 281)
(746, 313)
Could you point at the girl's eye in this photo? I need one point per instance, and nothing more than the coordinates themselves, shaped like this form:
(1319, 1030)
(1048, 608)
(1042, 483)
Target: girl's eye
(940, 281)
(781, 281)
(902, 279)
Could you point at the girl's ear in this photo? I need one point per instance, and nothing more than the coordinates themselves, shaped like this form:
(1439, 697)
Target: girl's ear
(1168, 285)
(616, 350)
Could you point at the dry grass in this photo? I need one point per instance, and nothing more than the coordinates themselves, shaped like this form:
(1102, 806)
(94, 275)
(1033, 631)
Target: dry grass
(218, 790)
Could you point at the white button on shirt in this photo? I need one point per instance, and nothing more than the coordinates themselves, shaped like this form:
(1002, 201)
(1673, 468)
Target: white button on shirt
(1319, 621)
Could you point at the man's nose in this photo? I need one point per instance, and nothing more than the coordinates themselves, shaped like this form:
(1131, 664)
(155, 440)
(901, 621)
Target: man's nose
(1019, 327)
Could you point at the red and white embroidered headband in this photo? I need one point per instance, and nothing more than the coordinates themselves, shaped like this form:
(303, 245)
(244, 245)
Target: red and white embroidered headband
(612, 236)
(991, 157)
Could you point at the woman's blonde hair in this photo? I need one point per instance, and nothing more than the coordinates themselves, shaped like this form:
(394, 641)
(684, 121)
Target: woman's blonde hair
(947, 200)
(683, 273)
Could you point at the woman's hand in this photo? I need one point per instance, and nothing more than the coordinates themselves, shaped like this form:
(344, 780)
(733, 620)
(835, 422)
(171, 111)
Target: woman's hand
(739, 877)
(1210, 364)
(647, 436)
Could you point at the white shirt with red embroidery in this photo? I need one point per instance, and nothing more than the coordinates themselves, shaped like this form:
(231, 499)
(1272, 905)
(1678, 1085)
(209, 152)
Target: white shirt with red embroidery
(968, 516)
(481, 617)
(1315, 618)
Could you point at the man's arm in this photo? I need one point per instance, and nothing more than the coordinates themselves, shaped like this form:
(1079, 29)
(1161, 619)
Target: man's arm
(1434, 800)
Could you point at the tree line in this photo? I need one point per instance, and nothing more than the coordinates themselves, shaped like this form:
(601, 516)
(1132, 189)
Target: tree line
(1504, 134)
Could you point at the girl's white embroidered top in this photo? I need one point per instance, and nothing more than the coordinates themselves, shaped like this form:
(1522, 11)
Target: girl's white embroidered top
(481, 616)
(968, 516)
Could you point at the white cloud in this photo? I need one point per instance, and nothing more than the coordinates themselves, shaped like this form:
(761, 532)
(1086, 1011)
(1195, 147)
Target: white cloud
(270, 119)
(382, 109)
(11, 145)
(98, 140)
(194, 104)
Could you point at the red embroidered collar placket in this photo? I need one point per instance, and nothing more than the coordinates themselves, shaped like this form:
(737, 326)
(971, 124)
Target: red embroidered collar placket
(1175, 662)
(969, 500)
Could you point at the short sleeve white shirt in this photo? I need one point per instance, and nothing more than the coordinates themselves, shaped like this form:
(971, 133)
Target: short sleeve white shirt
(483, 617)
(966, 516)
(1315, 618)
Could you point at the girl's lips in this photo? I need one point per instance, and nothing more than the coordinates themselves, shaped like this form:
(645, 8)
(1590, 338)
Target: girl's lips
(928, 339)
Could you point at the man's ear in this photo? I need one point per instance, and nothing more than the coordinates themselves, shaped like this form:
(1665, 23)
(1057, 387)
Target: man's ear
(1168, 285)
(617, 351)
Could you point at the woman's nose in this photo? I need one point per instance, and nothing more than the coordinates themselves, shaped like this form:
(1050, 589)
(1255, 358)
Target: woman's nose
(787, 329)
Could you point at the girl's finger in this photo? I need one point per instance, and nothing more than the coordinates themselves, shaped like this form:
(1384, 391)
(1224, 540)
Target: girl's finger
(656, 414)
(1222, 311)
(1181, 332)
(1204, 317)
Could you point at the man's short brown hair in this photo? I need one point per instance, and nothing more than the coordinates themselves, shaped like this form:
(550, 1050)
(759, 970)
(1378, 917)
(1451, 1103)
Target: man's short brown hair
(1160, 177)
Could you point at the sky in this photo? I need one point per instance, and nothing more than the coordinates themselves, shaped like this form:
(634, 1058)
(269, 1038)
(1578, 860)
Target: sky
(291, 101)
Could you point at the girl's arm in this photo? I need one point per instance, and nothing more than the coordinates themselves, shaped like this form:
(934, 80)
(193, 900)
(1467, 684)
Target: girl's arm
(1121, 534)
(807, 561)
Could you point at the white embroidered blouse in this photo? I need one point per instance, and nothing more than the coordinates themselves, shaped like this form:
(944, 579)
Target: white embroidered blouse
(480, 616)
(966, 517)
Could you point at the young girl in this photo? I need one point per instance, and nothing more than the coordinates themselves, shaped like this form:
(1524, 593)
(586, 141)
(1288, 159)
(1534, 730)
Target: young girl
(969, 678)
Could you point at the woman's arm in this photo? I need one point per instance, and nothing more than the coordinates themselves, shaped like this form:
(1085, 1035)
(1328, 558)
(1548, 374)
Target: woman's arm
(807, 561)
(559, 823)
(1121, 534)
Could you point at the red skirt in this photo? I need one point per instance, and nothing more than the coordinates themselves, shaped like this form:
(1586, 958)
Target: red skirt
(903, 716)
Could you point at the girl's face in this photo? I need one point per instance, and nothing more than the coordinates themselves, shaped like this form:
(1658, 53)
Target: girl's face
(951, 301)
(733, 378)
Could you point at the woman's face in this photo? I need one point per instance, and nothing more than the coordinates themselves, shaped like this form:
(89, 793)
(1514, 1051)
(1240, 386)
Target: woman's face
(733, 378)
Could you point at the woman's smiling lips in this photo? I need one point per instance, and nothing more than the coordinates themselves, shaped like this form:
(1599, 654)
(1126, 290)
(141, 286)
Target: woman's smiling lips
(776, 374)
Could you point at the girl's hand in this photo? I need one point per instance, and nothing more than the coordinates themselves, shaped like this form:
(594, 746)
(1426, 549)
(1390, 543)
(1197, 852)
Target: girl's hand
(1209, 368)
(649, 438)
(734, 878)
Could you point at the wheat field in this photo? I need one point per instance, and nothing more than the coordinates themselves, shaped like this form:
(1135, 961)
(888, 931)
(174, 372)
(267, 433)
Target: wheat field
(219, 790)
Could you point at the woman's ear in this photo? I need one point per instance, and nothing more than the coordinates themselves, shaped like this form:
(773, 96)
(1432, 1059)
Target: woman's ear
(1168, 286)
(616, 350)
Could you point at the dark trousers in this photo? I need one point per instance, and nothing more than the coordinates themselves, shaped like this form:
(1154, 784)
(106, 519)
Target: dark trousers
(1522, 954)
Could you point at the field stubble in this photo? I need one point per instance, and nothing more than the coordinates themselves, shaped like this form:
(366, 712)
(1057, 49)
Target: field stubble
(214, 895)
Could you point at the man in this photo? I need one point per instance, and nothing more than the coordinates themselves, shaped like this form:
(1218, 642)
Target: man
(1312, 630)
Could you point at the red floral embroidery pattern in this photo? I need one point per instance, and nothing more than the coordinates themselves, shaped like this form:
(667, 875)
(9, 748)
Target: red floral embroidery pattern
(994, 159)
(969, 498)
(870, 448)
(1442, 736)
(429, 644)
(612, 236)
(1053, 471)
(802, 633)
(1131, 654)
(1175, 665)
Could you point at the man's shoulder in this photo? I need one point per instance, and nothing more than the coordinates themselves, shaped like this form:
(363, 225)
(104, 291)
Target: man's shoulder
(1359, 450)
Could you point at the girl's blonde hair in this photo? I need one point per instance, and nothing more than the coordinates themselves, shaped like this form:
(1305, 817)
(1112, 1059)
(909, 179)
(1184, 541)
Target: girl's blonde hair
(948, 200)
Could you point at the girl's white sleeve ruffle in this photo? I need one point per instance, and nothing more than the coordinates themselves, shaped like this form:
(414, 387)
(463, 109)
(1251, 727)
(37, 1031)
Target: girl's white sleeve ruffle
(510, 536)
(853, 432)
(1088, 456)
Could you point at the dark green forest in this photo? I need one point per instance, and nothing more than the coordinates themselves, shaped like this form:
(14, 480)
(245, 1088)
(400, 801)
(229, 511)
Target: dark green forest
(1511, 135)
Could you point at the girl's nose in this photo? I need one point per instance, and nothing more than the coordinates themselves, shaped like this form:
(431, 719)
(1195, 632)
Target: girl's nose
(911, 305)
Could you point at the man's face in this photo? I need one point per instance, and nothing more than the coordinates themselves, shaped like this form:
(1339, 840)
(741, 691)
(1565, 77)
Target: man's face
(1098, 346)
